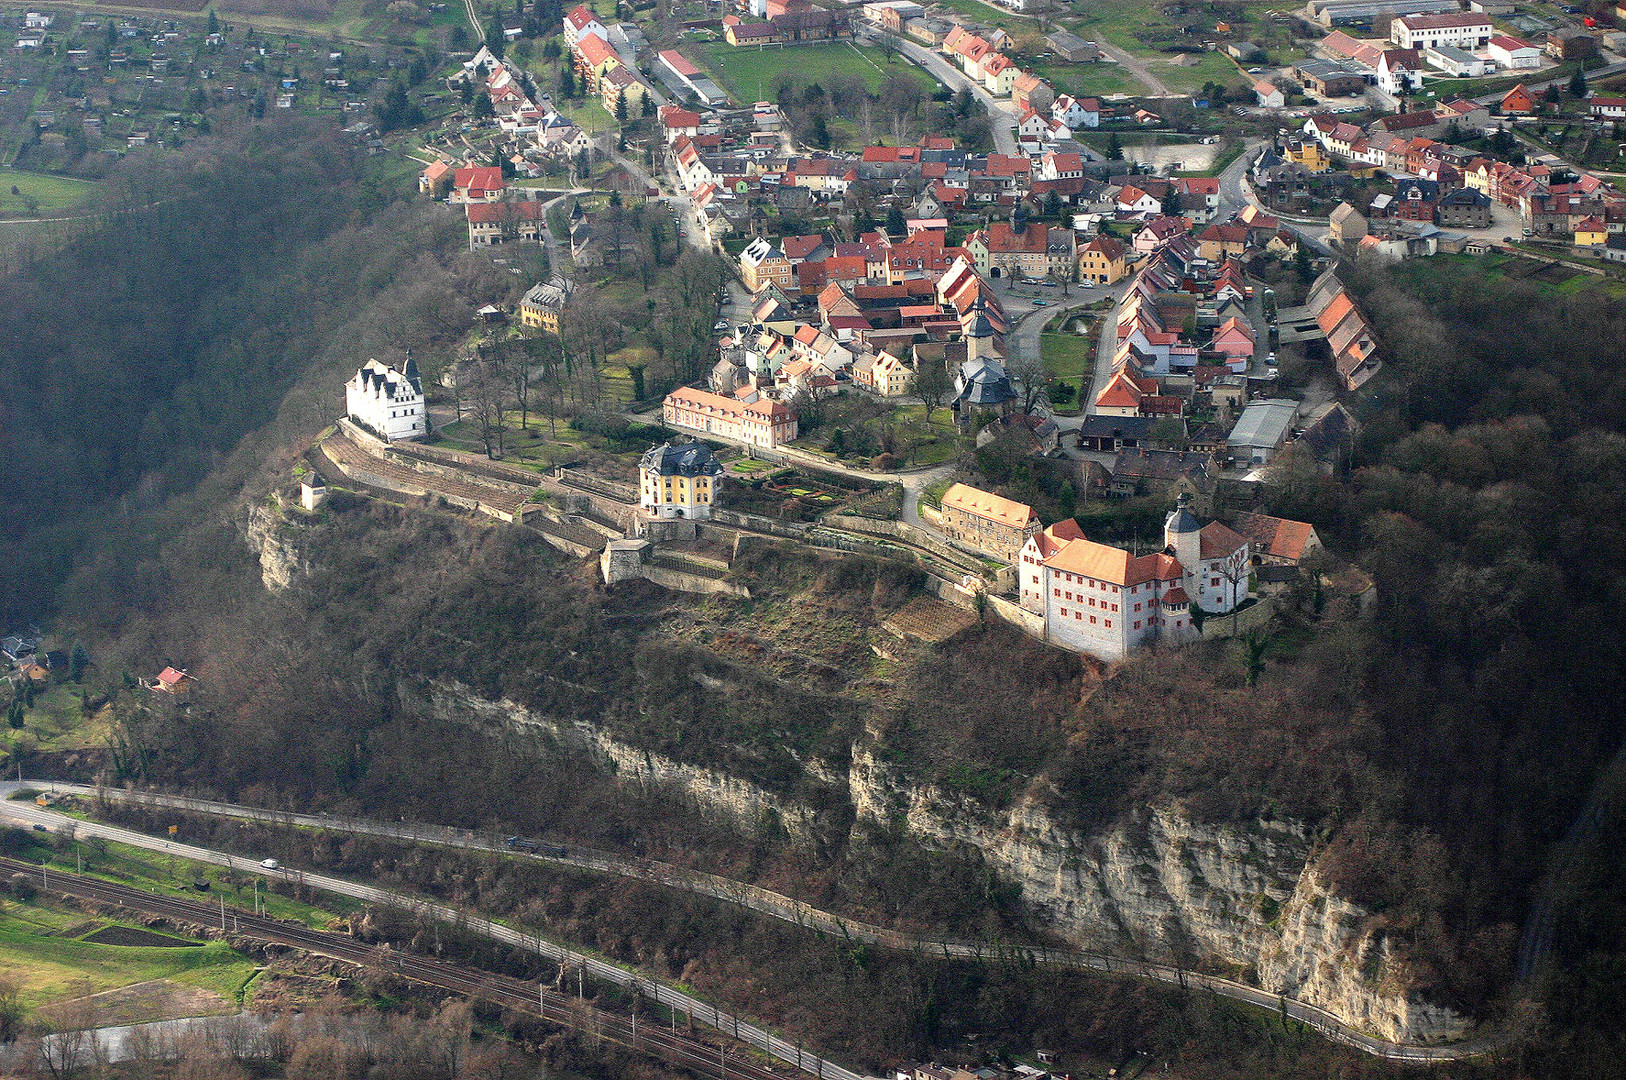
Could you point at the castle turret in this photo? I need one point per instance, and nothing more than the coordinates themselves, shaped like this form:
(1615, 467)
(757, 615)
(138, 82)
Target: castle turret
(1182, 535)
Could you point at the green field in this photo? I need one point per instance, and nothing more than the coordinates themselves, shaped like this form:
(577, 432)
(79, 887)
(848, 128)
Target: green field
(750, 74)
(1067, 356)
(39, 193)
(43, 951)
(1088, 80)
(1071, 359)
(56, 722)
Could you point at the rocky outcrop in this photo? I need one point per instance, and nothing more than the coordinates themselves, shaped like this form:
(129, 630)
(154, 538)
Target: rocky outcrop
(269, 534)
(1244, 898)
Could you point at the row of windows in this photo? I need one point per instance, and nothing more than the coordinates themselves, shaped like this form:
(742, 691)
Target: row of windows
(1080, 598)
(1079, 616)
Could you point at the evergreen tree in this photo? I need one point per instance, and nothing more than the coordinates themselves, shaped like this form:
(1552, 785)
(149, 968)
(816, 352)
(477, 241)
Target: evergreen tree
(1578, 84)
(78, 660)
(1115, 149)
(495, 38)
(896, 226)
(214, 22)
(465, 90)
(567, 81)
(621, 108)
(648, 108)
(821, 133)
(483, 109)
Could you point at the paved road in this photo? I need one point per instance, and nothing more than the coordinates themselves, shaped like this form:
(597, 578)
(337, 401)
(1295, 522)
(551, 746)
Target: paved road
(702, 1011)
(770, 903)
(1000, 117)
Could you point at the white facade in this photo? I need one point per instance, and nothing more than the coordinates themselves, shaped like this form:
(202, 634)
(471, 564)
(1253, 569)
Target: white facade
(1455, 61)
(1425, 31)
(1396, 77)
(386, 401)
(1106, 602)
(1076, 113)
(1513, 54)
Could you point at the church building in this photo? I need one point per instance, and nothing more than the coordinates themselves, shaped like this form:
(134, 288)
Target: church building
(387, 401)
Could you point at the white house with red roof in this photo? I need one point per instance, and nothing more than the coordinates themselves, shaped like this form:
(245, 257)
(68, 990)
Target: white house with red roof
(477, 183)
(580, 21)
(1512, 53)
(1076, 113)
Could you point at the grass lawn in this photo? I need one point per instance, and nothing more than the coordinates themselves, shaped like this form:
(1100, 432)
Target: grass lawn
(752, 74)
(56, 722)
(40, 191)
(988, 13)
(1089, 80)
(1067, 356)
(932, 443)
(589, 114)
(42, 949)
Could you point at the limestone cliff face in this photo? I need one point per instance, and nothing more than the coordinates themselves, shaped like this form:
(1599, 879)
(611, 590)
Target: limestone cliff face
(1155, 884)
(271, 536)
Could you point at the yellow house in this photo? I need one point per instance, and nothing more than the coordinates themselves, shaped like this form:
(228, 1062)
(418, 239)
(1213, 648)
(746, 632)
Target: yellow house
(1308, 153)
(678, 480)
(892, 377)
(762, 264)
(1591, 233)
(1101, 261)
(618, 83)
(593, 58)
(999, 75)
(540, 307)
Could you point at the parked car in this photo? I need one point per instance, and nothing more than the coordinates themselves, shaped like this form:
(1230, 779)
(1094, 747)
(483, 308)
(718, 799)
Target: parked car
(270, 864)
(1041, 303)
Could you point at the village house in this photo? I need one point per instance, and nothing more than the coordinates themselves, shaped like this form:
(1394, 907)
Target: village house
(386, 401)
(762, 264)
(477, 183)
(1101, 261)
(436, 180)
(987, 522)
(678, 480)
(173, 680)
(503, 222)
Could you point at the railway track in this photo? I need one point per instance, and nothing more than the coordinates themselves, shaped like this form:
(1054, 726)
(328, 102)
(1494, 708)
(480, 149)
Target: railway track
(705, 1058)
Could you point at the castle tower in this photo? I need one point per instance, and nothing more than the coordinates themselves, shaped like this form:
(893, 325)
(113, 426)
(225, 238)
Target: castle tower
(1182, 536)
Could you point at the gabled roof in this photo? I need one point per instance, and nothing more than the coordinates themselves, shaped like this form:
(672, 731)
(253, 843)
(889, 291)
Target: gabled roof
(1113, 565)
(1281, 538)
(985, 504)
(1217, 541)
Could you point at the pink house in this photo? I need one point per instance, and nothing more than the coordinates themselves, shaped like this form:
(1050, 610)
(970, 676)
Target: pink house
(1234, 340)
